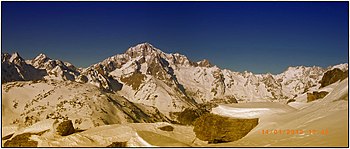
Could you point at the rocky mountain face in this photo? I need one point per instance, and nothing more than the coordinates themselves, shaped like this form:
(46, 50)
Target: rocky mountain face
(170, 82)
(55, 68)
(28, 102)
(333, 76)
(14, 68)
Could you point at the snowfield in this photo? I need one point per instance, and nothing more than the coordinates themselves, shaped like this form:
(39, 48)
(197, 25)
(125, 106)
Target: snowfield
(252, 110)
(328, 114)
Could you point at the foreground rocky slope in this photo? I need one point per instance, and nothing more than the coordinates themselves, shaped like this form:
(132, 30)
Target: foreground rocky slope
(25, 103)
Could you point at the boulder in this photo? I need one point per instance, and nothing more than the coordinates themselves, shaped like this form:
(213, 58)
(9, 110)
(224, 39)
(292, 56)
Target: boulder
(217, 129)
(291, 100)
(316, 95)
(22, 140)
(65, 128)
(166, 128)
(117, 144)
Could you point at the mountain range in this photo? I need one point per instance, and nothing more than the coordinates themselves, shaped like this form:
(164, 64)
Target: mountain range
(143, 84)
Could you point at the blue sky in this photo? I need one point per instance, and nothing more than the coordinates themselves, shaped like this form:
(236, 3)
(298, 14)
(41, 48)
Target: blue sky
(255, 36)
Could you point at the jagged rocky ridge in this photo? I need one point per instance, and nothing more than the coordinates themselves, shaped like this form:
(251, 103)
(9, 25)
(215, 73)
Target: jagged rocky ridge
(169, 82)
(14, 68)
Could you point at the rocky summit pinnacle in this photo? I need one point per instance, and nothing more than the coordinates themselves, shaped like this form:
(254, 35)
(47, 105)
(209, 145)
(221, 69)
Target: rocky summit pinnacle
(16, 58)
(204, 63)
(41, 56)
(142, 49)
(40, 60)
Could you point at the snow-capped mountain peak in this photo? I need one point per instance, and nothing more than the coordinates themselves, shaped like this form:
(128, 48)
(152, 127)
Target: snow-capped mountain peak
(14, 68)
(41, 56)
(204, 63)
(16, 58)
(142, 49)
(342, 67)
(40, 60)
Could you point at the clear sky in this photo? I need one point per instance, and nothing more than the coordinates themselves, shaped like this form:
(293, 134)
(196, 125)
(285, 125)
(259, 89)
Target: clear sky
(255, 36)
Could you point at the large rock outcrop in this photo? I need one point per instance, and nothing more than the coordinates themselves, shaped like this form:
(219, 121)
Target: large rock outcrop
(218, 129)
(333, 76)
(316, 95)
(189, 115)
(23, 140)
